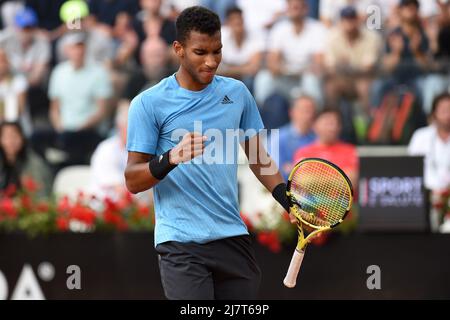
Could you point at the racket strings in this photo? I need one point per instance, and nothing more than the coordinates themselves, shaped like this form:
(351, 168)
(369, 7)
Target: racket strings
(322, 192)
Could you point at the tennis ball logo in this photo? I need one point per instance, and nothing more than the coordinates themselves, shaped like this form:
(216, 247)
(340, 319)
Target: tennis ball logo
(72, 12)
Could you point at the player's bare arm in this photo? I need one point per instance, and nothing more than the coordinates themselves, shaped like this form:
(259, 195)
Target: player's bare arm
(273, 182)
(263, 160)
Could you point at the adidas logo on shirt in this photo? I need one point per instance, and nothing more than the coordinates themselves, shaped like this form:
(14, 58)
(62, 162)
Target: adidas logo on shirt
(227, 100)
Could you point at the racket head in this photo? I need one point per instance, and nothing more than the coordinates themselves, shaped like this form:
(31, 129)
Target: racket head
(320, 194)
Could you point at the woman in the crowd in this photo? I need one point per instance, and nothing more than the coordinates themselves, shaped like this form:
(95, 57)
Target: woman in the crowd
(18, 163)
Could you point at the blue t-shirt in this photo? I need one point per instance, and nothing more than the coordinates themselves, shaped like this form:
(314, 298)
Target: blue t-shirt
(198, 200)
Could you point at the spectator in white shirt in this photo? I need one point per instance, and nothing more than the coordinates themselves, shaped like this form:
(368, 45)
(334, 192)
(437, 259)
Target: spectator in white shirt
(350, 61)
(433, 142)
(79, 93)
(242, 50)
(13, 89)
(29, 54)
(109, 160)
(295, 56)
(261, 15)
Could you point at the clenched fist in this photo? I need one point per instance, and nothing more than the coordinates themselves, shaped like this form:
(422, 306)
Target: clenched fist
(192, 145)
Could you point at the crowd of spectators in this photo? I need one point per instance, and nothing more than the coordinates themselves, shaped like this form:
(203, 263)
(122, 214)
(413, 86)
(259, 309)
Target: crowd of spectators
(331, 74)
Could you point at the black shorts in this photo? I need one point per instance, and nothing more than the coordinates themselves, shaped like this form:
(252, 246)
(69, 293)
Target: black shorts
(221, 269)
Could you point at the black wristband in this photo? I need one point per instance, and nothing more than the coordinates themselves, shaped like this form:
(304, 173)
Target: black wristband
(160, 166)
(279, 193)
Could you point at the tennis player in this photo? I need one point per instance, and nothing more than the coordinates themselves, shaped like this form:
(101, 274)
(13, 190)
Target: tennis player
(204, 248)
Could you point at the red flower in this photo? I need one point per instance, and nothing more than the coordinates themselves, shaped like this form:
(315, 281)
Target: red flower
(42, 206)
(320, 239)
(63, 205)
(30, 185)
(80, 196)
(143, 211)
(270, 239)
(286, 217)
(62, 223)
(10, 191)
(439, 205)
(110, 204)
(26, 202)
(126, 201)
(109, 216)
(274, 242)
(262, 237)
(114, 219)
(7, 207)
(275, 247)
(83, 214)
(246, 221)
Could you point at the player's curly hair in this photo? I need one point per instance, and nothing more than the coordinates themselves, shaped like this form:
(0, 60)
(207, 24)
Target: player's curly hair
(198, 19)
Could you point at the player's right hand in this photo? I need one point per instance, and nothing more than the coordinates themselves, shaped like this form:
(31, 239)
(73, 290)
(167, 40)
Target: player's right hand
(192, 145)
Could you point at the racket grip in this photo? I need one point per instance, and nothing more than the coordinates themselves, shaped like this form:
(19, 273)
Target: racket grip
(291, 277)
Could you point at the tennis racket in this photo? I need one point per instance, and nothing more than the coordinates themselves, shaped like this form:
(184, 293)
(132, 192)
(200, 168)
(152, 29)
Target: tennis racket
(320, 196)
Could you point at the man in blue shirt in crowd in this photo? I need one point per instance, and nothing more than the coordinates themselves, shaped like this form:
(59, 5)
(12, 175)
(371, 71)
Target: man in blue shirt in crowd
(182, 142)
(296, 134)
